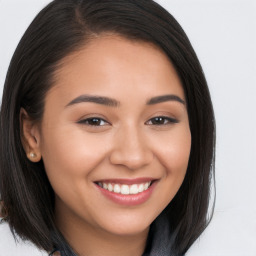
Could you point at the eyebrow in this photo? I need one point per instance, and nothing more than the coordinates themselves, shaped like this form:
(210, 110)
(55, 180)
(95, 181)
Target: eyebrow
(164, 98)
(114, 103)
(95, 99)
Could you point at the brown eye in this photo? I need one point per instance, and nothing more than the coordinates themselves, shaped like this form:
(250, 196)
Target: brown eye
(93, 121)
(162, 120)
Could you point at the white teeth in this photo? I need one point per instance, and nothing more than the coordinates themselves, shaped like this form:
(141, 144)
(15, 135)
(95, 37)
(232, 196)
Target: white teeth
(146, 185)
(125, 189)
(117, 188)
(134, 189)
(141, 187)
(110, 187)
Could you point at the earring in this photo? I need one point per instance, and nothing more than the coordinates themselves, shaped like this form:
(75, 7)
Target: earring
(32, 155)
(3, 212)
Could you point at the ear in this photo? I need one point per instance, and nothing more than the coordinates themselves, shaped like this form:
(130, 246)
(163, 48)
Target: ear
(30, 136)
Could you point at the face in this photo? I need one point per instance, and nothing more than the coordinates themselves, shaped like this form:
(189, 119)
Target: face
(115, 137)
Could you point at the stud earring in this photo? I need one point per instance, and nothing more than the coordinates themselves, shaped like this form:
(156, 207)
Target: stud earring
(3, 212)
(32, 155)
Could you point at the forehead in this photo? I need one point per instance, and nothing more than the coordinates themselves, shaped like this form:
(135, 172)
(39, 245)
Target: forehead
(112, 65)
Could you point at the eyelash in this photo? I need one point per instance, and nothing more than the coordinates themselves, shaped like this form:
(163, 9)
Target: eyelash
(92, 119)
(167, 120)
(98, 121)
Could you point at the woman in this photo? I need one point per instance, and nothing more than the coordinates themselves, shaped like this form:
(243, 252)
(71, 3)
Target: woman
(107, 132)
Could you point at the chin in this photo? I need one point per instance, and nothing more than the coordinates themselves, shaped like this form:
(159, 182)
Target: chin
(127, 225)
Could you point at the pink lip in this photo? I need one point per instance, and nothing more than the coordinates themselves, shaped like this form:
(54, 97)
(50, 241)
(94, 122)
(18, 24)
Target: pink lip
(128, 200)
(127, 181)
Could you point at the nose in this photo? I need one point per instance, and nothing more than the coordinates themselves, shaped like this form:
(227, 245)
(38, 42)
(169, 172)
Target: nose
(131, 149)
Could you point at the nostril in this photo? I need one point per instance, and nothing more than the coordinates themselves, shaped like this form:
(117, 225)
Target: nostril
(132, 160)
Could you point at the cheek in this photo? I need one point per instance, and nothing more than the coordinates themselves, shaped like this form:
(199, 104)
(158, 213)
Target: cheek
(180, 151)
(175, 150)
(174, 154)
(69, 156)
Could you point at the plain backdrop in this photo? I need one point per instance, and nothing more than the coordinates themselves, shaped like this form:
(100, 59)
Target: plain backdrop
(223, 34)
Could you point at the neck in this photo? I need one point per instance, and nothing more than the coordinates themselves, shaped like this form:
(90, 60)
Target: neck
(86, 240)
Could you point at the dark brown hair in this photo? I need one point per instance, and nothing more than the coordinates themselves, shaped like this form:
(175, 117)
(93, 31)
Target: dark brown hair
(59, 29)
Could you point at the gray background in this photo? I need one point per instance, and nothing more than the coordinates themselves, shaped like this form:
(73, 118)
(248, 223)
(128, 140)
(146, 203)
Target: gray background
(223, 33)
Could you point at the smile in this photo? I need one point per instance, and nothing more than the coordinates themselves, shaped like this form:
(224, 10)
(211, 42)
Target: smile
(125, 189)
(129, 192)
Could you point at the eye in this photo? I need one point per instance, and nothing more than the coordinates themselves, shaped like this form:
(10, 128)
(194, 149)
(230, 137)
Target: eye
(93, 121)
(162, 120)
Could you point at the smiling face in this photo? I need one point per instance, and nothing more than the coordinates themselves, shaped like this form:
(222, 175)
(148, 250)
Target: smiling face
(115, 119)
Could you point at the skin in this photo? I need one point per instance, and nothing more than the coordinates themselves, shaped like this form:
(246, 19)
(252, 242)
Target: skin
(128, 144)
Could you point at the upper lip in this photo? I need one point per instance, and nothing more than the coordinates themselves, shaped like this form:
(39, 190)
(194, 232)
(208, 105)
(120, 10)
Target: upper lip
(127, 181)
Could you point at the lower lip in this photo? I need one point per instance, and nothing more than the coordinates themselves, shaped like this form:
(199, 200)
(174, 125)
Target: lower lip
(128, 200)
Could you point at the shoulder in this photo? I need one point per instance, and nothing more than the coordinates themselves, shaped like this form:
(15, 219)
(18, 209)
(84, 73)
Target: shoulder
(10, 247)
